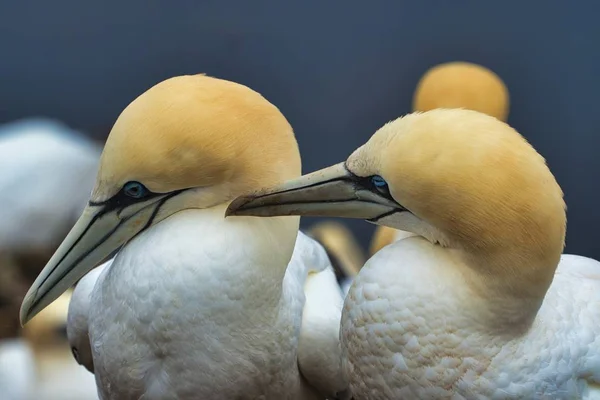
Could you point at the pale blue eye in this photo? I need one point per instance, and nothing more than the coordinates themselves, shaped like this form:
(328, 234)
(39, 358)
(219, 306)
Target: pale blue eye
(135, 190)
(378, 181)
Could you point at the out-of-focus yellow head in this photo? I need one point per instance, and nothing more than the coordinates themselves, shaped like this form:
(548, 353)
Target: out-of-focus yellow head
(462, 85)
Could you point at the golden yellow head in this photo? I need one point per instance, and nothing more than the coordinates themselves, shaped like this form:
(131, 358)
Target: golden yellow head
(198, 131)
(188, 142)
(469, 175)
(462, 85)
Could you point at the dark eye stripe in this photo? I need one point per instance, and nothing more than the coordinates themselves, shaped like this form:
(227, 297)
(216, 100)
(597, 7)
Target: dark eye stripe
(122, 200)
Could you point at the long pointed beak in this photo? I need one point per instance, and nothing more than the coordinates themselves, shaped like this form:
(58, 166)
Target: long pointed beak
(330, 192)
(100, 231)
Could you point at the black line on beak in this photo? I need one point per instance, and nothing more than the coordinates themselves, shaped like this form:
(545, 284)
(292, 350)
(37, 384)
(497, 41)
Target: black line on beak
(357, 181)
(157, 209)
(118, 201)
(107, 208)
(121, 200)
(94, 219)
(81, 257)
(394, 211)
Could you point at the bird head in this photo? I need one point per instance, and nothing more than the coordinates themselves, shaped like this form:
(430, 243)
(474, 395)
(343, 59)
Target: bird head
(188, 142)
(460, 178)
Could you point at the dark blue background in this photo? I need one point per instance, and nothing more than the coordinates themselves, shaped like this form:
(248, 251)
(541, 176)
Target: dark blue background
(337, 69)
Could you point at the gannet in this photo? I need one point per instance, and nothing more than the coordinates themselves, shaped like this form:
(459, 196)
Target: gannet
(455, 84)
(195, 305)
(480, 304)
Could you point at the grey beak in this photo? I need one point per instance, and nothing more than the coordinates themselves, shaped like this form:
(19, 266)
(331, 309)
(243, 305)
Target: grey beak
(330, 192)
(97, 234)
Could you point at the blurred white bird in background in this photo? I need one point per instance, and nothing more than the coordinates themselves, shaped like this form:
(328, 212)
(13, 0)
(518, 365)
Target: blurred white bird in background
(17, 370)
(47, 171)
(57, 374)
(346, 254)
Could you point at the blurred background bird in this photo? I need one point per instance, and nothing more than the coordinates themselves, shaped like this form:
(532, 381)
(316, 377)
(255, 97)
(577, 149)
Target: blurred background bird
(57, 375)
(47, 171)
(343, 249)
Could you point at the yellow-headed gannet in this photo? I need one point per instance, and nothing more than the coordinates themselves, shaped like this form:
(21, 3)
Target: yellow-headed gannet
(480, 304)
(195, 305)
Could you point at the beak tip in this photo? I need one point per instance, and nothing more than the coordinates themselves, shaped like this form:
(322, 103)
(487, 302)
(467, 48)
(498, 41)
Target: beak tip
(24, 317)
(25, 313)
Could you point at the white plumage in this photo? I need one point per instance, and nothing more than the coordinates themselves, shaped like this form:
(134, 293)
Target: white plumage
(421, 344)
(319, 352)
(240, 314)
(78, 316)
